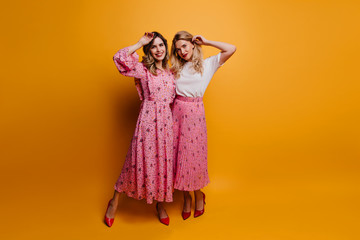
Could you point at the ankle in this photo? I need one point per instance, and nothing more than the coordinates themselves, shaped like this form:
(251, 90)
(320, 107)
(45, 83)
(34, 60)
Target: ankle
(187, 195)
(113, 203)
(198, 194)
(160, 206)
(161, 210)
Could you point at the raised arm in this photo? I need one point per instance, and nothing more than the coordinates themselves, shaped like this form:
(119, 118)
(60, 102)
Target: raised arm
(148, 36)
(127, 60)
(227, 50)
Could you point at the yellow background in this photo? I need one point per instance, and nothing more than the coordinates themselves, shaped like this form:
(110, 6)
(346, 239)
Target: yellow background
(282, 114)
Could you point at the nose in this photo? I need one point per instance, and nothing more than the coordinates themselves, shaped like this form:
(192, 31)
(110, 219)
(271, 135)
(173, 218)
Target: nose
(182, 51)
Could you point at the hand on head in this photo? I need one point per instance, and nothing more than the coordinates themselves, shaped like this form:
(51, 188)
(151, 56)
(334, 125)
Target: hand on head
(198, 39)
(148, 36)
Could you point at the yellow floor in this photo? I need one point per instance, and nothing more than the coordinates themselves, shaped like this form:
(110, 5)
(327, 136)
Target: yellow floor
(238, 207)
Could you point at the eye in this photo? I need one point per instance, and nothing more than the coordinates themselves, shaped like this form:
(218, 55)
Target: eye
(161, 44)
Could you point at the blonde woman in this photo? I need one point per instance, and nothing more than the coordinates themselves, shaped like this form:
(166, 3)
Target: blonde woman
(148, 169)
(192, 75)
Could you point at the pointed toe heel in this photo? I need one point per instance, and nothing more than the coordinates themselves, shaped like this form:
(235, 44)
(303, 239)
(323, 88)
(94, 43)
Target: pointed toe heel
(108, 221)
(185, 215)
(198, 213)
(165, 221)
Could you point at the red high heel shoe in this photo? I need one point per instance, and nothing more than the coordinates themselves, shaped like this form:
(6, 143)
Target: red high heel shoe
(186, 215)
(164, 221)
(198, 213)
(108, 221)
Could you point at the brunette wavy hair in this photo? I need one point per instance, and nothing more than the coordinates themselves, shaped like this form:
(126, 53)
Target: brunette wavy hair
(177, 63)
(149, 61)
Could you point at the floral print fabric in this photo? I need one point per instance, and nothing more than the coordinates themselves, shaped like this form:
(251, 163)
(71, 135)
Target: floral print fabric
(190, 139)
(148, 169)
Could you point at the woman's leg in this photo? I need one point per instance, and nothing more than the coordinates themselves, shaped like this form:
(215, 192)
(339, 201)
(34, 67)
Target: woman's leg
(187, 206)
(113, 205)
(199, 200)
(161, 210)
(187, 202)
(163, 217)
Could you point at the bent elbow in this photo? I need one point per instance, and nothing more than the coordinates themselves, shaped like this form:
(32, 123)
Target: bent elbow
(115, 57)
(233, 49)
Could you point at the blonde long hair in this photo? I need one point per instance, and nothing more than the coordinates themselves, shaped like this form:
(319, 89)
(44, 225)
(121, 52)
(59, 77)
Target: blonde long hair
(149, 61)
(177, 63)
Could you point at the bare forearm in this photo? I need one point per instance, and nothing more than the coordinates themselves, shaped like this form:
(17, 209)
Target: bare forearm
(227, 49)
(134, 47)
(146, 39)
(224, 47)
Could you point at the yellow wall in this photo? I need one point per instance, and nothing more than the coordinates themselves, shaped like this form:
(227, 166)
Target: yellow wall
(282, 114)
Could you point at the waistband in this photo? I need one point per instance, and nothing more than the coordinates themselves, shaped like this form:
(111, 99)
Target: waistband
(157, 100)
(189, 99)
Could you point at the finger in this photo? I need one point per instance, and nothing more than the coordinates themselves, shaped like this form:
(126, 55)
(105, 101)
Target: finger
(198, 40)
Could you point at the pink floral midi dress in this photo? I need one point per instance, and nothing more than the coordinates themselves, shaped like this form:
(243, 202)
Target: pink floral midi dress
(148, 169)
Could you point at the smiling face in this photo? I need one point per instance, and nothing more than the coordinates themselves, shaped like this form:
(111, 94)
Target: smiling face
(184, 49)
(158, 49)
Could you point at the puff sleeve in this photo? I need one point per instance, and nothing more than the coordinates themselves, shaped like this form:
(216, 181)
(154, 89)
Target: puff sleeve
(129, 65)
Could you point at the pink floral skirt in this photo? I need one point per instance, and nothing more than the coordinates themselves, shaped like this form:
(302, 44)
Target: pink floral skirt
(148, 168)
(190, 144)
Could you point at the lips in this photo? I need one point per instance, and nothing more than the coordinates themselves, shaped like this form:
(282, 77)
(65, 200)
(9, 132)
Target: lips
(184, 55)
(159, 54)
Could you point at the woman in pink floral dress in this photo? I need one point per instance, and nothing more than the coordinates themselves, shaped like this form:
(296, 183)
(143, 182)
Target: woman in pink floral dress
(193, 75)
(148, 169)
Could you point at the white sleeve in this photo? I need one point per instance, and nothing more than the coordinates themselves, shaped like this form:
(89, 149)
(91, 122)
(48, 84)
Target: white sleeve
(211, 65)
(214, 63)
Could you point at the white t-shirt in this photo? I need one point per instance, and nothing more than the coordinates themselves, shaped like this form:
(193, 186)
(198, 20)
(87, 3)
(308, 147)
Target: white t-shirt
(193, 84)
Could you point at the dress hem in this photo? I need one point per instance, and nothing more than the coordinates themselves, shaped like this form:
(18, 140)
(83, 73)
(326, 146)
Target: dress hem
(143, 198)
